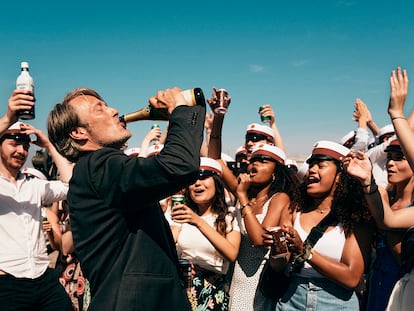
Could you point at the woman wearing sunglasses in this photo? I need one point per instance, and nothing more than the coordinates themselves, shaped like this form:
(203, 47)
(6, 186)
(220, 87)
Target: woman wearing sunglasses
(263, 192)
(207, 234)
(388, 266)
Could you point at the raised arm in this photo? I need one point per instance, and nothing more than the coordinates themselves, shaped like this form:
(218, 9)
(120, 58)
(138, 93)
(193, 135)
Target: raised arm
(398, 95)
(359, 166)
(19, 100)
(361, 115)
(64, 166)
(153, 135)
(267, 111)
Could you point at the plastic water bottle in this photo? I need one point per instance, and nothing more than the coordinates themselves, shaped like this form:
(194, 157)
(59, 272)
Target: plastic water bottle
(25, 82)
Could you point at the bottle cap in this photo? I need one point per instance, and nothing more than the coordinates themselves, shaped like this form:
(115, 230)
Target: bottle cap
(24, 65)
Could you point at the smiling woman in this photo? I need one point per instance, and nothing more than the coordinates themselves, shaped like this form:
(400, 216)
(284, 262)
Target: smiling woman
(333, 267)
(207, 234)
(386, 268)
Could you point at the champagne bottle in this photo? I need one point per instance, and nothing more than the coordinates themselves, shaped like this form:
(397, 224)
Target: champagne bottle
(25, 82)
(192, 97)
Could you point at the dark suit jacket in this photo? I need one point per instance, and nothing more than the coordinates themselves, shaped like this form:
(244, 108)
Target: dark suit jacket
(124, 243)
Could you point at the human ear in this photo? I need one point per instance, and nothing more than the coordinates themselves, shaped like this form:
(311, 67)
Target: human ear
(79, 133)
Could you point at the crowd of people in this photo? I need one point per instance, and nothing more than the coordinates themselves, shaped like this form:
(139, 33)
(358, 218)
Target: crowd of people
(95, 225)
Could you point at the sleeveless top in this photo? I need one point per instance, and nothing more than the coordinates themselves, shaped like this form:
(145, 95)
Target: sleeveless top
(330, 245)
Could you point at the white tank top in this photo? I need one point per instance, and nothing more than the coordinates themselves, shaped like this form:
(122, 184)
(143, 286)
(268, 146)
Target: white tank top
(330, 245)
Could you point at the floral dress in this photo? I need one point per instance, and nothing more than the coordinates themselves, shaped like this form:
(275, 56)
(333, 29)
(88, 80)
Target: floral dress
(209, 288)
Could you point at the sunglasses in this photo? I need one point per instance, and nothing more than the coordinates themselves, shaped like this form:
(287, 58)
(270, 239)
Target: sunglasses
(255, 137)
(204, 174)
(395, 156)
(21, 138)
(261, 158)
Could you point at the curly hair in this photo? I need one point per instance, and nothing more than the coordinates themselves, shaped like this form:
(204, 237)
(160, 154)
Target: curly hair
(218, 205)
(349, 205)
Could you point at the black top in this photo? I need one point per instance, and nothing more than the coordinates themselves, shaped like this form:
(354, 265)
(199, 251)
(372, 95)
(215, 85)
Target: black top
(124, 243)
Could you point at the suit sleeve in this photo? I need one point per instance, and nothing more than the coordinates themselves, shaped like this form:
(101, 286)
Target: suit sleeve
(174, 168)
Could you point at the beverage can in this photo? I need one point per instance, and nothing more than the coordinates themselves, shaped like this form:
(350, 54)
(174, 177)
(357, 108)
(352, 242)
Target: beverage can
(155, 125)
(280, 244)
(186, 271)
(263, 118)
(177, 199)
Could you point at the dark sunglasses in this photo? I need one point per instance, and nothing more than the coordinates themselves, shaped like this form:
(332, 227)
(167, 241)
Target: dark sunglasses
(21, 138)
(261, 158)
(395, 156)
(255, 137)
(204, 174)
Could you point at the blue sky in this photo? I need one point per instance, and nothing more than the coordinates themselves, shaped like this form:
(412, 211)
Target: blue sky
(309, 60)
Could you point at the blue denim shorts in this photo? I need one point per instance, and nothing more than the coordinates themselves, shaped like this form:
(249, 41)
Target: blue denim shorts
(317, 294)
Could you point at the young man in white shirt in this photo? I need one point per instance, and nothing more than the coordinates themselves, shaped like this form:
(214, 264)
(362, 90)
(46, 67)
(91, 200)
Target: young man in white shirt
(26, 282)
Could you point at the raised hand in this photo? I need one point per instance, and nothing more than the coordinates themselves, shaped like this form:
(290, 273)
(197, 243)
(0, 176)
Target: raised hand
(398, 93)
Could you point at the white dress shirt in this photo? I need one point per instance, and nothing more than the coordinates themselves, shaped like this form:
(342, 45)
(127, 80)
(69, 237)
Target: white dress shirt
(378, 158)
(23, 251)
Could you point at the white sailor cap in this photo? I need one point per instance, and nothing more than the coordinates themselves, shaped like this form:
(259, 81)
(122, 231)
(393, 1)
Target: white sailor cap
(290, 163)
(14, 132)
(328, 150)
(209, 167)
(154, 150)
(132, 152)
(264, 151)
(347, 137)
(260, 129)
(394, 145)
(388, 129)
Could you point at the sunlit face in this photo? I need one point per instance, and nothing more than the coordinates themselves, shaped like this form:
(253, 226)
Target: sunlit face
(253, 139)
(261, 171)
(320, 178)
(14, 154)
(398, 168)
(101, 122)
(203, 190)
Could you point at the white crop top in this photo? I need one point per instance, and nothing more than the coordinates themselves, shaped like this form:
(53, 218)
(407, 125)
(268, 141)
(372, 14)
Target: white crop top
(330, 245)
(194, 246)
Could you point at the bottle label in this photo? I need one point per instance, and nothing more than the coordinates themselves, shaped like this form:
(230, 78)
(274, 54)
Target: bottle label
(24, 82)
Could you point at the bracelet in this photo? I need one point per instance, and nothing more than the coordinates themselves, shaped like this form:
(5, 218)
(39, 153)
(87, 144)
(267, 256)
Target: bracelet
(310, 256)
(393, 118)
(244, 205)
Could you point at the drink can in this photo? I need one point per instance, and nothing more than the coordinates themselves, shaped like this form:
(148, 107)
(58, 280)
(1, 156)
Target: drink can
(177, 199)
(280, 243)
(154, 126)
(262, 118)
(186, 272)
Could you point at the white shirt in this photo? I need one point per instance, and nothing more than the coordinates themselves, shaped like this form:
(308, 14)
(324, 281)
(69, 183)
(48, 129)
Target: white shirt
(23, 251)
(378, 158)
(194, 246)
(330, 245)
(361, 140)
